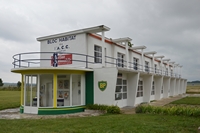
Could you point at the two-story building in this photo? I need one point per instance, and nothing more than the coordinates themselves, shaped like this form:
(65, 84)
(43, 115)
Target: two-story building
(83, 67)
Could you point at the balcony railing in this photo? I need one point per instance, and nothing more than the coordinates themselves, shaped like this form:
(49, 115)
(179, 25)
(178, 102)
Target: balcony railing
(36, 59)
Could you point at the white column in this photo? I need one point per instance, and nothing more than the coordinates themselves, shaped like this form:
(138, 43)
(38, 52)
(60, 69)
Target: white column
(25, 83)
(161, 66)
(168, 71)
(142, 61)
(38, 90)
(70, 89)
(103, 49)
(153, 67)
(127, 56)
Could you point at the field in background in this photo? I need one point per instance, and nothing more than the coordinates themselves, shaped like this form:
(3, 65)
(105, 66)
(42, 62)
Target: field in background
(193, 88)
(9, 99)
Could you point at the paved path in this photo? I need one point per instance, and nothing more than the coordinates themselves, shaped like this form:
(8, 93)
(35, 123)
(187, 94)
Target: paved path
(165, 101)
(161, 102)
(15, 114)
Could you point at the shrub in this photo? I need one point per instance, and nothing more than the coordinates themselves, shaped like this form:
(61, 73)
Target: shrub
(173, 110)
(102, 107)
(113, 110)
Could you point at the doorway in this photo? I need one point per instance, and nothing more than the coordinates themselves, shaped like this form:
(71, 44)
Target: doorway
(30, 94)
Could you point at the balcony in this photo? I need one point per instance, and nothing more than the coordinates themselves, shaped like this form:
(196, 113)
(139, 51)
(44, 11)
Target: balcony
(76, 60)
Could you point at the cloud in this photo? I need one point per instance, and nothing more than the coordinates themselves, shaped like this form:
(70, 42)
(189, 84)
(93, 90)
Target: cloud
(172, 28)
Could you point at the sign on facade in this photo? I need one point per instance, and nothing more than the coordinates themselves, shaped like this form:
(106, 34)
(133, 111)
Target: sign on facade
(64, 59)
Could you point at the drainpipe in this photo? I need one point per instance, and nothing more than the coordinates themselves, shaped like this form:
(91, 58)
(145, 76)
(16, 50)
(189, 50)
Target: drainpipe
(103, 49)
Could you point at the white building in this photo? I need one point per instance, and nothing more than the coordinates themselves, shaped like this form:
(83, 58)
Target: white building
(82, 67)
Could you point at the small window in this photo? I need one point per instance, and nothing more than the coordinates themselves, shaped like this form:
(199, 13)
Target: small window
(97, 54)
(140, 89)
(120, 60)
(162, 90)
(166, 72)
(121, 88)
(153, 89)
(155, 68)
(135, 63)
(146, 66)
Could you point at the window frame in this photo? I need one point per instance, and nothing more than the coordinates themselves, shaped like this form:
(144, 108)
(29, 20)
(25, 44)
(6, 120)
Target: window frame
(120, 59)
(140, 89)
(135, 63)
(97, 51)
(153, 88)
(146, 66)
(122, 94)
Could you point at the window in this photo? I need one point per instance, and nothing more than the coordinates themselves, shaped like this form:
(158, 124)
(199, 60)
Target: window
(146, 66)
(162, 90)
(166, 72)
(121, 88)
(135, 63)
(153, 89)
(97, 54)
(140, 89)
(155, 68)
(171, 72)
(120, 60)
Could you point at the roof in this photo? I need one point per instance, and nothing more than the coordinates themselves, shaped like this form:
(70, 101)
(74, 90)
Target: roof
(86, 30)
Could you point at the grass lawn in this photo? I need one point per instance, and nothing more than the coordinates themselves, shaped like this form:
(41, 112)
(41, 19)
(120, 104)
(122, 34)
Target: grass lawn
(9, 99)
(139, 123)
(188, 101)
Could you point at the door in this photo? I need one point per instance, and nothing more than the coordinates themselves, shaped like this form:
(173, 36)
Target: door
(30, 94)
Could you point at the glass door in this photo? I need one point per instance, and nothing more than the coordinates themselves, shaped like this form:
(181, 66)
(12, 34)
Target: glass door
(30, 94)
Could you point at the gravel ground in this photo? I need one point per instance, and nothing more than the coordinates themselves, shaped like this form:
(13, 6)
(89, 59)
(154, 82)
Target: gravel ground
(14, 114)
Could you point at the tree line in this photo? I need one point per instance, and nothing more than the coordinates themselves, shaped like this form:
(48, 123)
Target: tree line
(10, 88)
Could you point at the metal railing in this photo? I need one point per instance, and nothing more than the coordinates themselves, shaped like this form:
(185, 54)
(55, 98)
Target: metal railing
(31, 59)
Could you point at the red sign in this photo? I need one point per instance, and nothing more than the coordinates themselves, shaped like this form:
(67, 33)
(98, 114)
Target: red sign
(63, 59)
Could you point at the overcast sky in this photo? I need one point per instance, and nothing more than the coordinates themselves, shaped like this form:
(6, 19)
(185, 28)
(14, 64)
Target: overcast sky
(169, 27)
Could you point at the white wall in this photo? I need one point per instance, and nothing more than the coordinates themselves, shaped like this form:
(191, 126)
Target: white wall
(172, 86)
(166, 87)
(77, 45)
(158, 85)
(108, 95)
(147, 85)
(132, 79)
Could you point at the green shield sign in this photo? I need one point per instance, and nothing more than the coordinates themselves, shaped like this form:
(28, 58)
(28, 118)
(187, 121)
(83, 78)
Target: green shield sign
(102, 85)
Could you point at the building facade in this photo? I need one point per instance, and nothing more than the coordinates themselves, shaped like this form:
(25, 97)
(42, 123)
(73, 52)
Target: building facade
(83, 67)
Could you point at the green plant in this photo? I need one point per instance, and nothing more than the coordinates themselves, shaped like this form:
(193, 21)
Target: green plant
(169, 110)
(102, 107)
(113, 110)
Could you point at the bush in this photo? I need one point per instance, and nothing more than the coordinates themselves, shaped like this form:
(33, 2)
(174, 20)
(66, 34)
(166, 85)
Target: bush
(102, 107)
(113, 110)
(173, 110)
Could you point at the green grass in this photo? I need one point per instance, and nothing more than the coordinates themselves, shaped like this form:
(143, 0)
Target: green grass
(188, 101)
(139, 123)
(9, 99)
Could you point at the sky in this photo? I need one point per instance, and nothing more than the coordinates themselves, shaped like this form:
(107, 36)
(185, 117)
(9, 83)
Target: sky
(169, 27)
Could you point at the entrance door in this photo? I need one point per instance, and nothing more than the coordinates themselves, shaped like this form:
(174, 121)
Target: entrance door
(30, 94)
